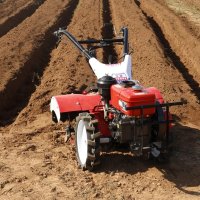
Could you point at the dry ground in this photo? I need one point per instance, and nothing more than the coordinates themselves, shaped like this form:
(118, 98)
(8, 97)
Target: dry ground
(35, 163)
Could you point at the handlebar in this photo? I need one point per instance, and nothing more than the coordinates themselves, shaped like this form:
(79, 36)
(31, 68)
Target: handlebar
(102, 42)
(74, 41)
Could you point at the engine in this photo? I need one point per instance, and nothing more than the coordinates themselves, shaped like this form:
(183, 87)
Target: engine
(133, 126)
(130, 129)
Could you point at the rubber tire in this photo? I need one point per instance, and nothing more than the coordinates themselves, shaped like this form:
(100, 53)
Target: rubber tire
(87, 141)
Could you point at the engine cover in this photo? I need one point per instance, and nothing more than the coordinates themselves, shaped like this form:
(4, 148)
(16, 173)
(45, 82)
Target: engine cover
(122, 97)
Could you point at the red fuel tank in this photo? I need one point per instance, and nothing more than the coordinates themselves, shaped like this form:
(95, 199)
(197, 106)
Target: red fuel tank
(127, 96)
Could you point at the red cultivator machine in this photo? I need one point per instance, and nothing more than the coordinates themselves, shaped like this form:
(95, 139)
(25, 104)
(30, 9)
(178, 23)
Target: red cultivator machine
(119, 110)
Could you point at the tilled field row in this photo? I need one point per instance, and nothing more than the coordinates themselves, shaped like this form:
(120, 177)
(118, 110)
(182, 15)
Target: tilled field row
(26, 51)
(68, 71)
(9, 8)
(185, 44)
(19, 15)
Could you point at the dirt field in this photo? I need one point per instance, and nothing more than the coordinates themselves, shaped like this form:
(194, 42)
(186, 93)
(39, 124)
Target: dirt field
(35, 163)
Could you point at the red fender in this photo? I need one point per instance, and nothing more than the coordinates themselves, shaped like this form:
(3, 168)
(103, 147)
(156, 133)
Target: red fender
(73, 103)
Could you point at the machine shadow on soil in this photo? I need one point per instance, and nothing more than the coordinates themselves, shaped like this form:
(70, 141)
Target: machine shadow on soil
(176, 170)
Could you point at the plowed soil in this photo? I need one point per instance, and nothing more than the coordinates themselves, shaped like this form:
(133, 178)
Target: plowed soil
(35, 163)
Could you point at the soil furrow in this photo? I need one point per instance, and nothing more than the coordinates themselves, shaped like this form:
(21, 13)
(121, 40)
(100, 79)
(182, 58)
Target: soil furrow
(9, 8)
(108, 32)
(68, 71)
(13, 21)
(181, 39)
(18, 90)
(73, 73)
(172, 56)
(188, 12)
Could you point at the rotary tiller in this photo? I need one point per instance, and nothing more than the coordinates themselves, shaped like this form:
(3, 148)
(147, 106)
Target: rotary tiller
(118, 111)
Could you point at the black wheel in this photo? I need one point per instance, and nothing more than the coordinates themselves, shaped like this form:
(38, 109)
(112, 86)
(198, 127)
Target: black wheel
(87, 140)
